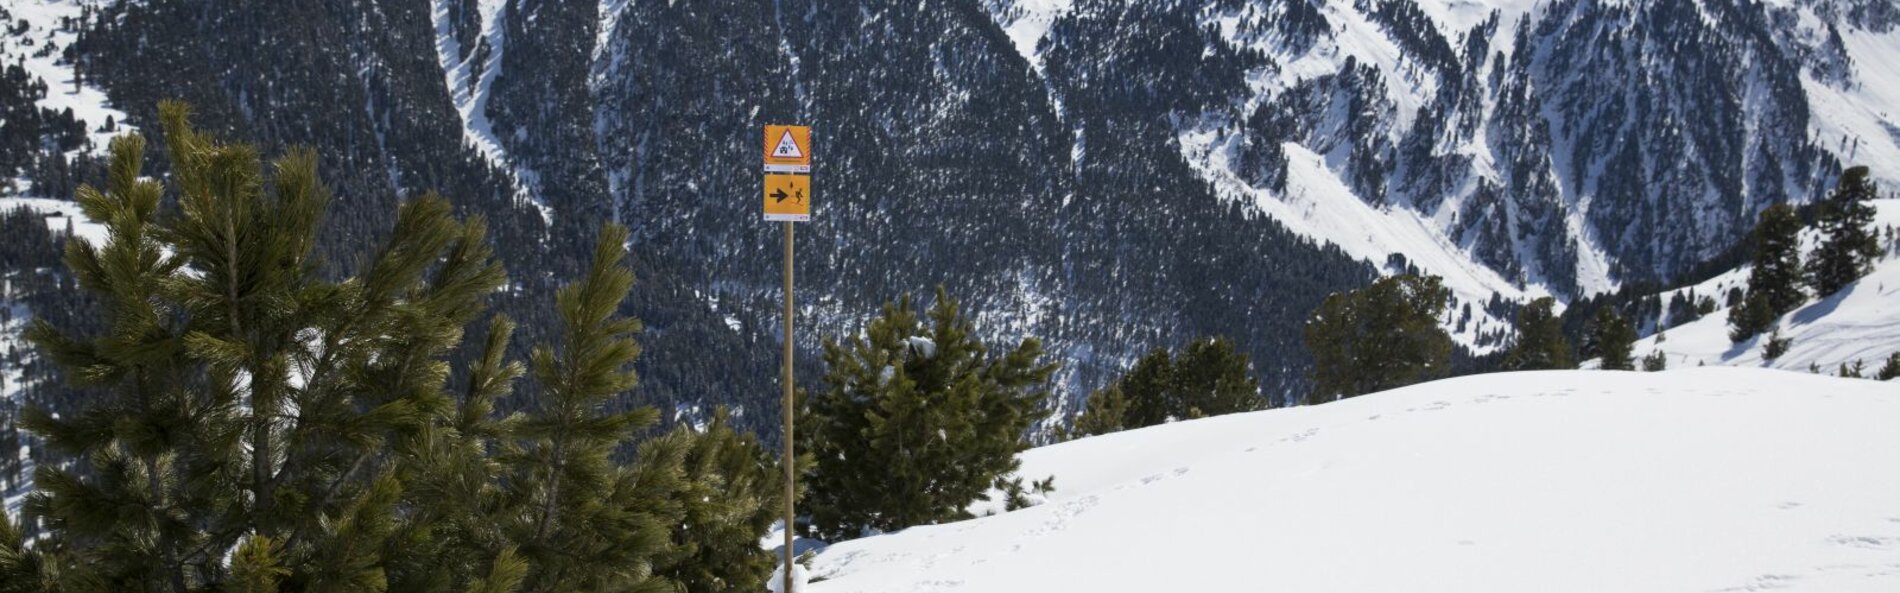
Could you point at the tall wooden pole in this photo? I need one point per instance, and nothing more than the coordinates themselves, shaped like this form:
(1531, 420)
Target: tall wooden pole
(790, 473)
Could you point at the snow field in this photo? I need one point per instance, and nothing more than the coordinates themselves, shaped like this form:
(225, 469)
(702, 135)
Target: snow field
(1692, 480)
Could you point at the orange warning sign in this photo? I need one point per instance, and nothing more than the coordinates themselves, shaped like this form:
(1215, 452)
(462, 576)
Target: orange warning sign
(788, 198)
(788, 149)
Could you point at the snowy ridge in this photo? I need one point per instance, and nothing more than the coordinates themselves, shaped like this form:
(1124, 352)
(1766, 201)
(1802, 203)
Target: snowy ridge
(1564, 481)
(470, 88)
(42, 47)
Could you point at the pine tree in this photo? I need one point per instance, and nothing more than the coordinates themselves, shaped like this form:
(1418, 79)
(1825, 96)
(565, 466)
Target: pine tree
(1848, 245)
(1212, 377)
(253, 405)
(23, 569)
(1655, 361)
(1615, 338)
(916, 422)
(1891, 370)
(1776, 346)
(452, 497)
(1540, 340)
(732, 492)
(1856, 371)
(1146, 386)
(1774, 282)
(581, 522)
(1104, 413)
(136, 518)
(1381, 337)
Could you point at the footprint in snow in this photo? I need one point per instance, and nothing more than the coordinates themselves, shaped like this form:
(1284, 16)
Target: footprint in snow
(1765, 582)
(1301, 436)
(1179, 471)
(1866, 542)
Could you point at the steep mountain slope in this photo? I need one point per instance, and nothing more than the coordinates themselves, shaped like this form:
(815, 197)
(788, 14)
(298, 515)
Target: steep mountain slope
(1516, 147)
(1550, 481)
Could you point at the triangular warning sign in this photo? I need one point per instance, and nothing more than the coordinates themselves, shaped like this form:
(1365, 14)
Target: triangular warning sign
(788, 148)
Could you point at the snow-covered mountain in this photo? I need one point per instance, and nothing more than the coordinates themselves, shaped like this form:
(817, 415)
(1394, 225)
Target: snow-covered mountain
(1687, 480)
(1108, 175)
(1515, 146)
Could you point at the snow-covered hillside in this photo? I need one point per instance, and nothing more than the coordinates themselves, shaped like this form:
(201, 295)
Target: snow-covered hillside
(46, 29)
(1689, 480)
(1496, 143)
(1861, 323)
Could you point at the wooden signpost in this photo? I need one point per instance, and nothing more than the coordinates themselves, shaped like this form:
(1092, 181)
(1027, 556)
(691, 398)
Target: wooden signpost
(788, 200)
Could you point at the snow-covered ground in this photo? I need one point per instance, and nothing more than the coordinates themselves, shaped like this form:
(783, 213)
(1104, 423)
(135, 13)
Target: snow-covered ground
(60, 215)
(41, 49)
(1682, 481)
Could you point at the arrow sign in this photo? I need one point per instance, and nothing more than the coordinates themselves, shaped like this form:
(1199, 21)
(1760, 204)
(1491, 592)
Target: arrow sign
(787, 198)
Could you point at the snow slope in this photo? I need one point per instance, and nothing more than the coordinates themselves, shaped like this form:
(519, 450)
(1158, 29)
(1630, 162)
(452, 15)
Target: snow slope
(45, 29)
(1583, 481)
(1861, 323)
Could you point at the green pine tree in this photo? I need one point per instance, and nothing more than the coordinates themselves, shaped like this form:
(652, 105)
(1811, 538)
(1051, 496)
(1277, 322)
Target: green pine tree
(1381, 337)
(733, 491)
(1655, 361)
(1540, 340)
(250, 404)
(1615, 338)
(582, 522)
(1146, 386)
(1212, 377)
(917, 421)
(1848, 245)
(1855, 371)
(1891, 370)
(23, 568)
(1777, 346)
(1774, 281)
(1105, 412)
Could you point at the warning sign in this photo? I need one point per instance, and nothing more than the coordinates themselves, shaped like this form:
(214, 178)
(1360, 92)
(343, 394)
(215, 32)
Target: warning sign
(788, 198)
(788, 149)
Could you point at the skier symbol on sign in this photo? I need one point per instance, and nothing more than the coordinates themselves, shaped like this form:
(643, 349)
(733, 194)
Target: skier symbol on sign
(787, 148)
